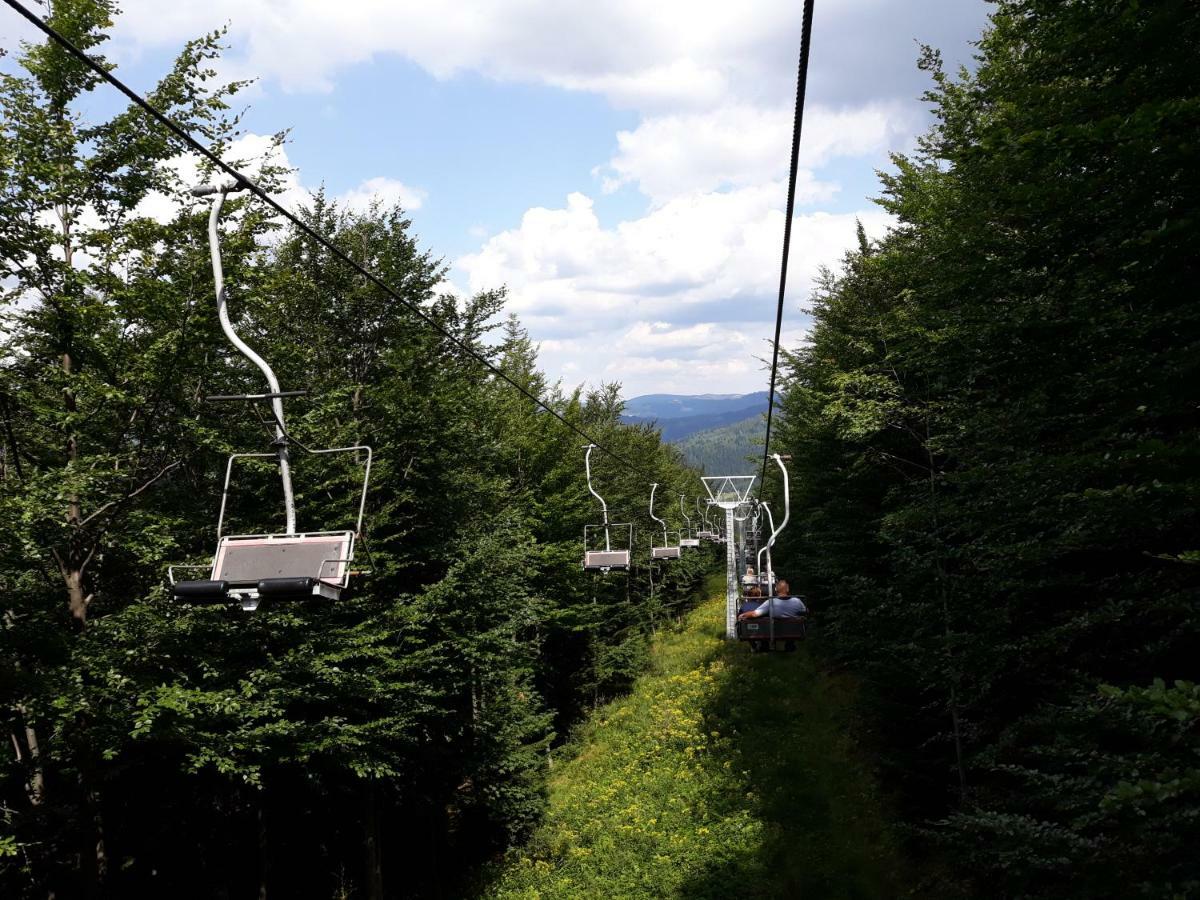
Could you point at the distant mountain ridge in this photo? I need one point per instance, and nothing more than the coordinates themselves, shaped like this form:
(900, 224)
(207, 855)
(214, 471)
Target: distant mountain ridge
(680, 415)
(678, 406)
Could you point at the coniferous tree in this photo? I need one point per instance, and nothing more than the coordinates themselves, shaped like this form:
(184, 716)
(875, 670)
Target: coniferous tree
(995, 440)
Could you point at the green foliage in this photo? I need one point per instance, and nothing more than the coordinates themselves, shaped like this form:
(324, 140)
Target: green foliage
(995, 455)
(720, 773)
(169, 750)
(730, 448)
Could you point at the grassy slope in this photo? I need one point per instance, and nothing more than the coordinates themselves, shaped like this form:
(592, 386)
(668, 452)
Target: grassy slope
(721, 775)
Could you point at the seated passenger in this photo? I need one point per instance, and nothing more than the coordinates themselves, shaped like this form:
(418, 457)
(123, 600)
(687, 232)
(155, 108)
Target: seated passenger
(751, 599)
(782, 606)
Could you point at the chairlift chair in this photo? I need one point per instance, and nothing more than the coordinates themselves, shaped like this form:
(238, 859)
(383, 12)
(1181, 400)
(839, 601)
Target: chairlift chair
(666, 551)
(288, 565)
(689, 542)
(609, 558)
(706, 533)
(772, 629)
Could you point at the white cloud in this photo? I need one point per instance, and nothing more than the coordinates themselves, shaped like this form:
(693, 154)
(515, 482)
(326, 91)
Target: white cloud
(682, 296)
(743, 144)
(695, 249)
(250, 154)
(387, 191)
(673, 53)
(685, 292)
(629, 50)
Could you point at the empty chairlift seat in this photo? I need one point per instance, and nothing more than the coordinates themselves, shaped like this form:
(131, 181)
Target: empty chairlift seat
(252, 568)
(603, 552)
(668, 550)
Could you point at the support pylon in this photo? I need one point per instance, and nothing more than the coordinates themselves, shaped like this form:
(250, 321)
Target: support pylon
(731, 577)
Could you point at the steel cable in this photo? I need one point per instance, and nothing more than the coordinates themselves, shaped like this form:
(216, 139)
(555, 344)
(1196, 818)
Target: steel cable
(797, 124)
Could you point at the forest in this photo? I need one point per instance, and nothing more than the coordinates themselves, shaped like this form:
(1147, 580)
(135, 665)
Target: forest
(996, 455)
(730, 448)
(993, 435)
(159, 749)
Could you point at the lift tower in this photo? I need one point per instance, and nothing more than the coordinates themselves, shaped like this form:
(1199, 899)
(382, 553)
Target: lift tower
(729, 492)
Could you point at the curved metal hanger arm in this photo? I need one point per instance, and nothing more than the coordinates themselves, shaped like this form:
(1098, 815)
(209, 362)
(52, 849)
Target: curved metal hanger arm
(653, 488)
(218, 193)
(587, 464)
(787, 512)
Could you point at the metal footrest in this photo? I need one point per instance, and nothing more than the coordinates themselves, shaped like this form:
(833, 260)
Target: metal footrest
(202, 591)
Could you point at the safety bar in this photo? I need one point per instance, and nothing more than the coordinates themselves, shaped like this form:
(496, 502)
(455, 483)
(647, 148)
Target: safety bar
(362, 500)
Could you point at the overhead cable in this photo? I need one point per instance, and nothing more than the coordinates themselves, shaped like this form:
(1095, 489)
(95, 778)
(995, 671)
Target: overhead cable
(797, 124)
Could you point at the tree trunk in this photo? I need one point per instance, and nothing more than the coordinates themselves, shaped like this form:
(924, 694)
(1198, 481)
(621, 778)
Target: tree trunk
(25, 741)
(374, 859)
(77, 599)
(264, 849)
(943, 594)
(72, 560)
(95, 854)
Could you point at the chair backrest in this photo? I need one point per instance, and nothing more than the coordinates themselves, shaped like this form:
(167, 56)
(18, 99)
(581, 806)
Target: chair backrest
(250, 558)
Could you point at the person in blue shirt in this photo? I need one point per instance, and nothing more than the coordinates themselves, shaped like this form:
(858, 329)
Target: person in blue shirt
(751, 599)
(782, 606)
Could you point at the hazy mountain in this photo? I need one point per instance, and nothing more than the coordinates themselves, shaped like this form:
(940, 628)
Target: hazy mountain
(680, 415)
(678, 406)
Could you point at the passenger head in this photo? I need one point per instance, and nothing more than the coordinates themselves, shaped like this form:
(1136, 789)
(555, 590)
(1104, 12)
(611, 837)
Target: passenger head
(782, 588)
(750, 570)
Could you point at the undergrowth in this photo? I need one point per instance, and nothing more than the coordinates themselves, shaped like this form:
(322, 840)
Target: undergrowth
(722, 774)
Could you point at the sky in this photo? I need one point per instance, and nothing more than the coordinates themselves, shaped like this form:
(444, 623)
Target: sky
(619, 166)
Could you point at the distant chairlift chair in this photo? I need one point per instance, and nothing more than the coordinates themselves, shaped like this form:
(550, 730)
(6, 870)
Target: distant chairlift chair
(292, 565)
(705, 533)
(609, 558)
(666, 551)
(689, 542)
(768, 628)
